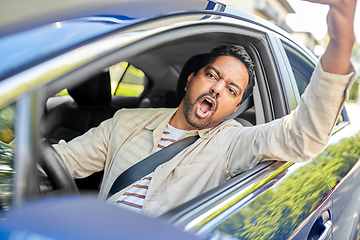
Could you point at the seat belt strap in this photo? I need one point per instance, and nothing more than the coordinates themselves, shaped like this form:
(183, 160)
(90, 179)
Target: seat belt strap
(149, 164)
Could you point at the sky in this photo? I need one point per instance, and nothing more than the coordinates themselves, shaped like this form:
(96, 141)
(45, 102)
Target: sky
(311, 17)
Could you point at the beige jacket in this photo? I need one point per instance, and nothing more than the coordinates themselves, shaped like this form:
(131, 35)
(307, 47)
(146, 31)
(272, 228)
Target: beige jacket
(219, 153)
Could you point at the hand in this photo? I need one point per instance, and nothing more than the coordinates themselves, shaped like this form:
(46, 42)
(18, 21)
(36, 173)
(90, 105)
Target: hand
(340, 20)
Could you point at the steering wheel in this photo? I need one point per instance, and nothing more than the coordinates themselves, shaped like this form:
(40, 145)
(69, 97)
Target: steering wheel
(55, 168)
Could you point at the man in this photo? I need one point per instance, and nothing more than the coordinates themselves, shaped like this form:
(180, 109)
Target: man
(212, 94)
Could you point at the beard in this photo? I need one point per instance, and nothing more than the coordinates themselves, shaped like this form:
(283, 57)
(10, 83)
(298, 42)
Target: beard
(193, 119)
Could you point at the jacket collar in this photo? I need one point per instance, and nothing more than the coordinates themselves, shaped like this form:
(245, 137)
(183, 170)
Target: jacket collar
(164, 119)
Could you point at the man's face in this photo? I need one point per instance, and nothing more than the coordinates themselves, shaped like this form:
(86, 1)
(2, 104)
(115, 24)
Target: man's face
(214, 92)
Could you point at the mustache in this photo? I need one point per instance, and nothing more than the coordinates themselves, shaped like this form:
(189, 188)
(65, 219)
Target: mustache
(210, 94)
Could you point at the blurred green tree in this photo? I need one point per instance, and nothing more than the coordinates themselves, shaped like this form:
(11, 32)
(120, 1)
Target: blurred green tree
(354, 91)
(281, 209)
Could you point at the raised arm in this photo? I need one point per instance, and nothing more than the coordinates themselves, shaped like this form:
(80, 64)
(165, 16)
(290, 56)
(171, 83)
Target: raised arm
(340, 20)
(304, 133)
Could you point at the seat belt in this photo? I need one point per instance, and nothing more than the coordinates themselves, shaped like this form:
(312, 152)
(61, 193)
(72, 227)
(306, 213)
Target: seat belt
(149, 164)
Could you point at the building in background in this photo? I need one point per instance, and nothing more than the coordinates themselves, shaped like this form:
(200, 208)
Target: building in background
(274, 11)
(307, 39)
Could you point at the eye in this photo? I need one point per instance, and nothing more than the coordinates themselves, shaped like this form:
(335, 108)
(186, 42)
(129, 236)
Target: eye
(211, 75)
(232, 91)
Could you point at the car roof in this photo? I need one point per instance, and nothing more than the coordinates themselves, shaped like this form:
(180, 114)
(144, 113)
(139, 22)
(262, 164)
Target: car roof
(41, 33)
(30, 37)
(25, 15)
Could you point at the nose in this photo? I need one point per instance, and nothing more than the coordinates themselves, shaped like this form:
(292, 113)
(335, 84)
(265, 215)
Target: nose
(218, 87)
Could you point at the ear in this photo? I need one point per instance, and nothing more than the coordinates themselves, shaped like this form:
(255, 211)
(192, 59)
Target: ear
(190, 77)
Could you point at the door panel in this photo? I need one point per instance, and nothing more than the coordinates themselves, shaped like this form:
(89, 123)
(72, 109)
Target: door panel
(299, 197)
(341, 165)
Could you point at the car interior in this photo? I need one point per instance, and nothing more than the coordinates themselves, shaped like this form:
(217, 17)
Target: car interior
(165, 69)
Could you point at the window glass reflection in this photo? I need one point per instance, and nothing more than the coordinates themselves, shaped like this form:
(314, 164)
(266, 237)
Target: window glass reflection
(280, 209)
(7, 136)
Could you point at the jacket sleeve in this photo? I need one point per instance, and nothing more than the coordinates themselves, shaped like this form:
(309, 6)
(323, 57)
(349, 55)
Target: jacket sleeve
(87, 153)
(299, 136)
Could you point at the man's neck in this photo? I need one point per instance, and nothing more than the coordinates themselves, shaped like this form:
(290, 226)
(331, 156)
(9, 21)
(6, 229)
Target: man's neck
(179, 121)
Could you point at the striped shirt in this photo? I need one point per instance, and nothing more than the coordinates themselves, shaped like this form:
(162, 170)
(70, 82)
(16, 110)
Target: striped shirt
(134, 198)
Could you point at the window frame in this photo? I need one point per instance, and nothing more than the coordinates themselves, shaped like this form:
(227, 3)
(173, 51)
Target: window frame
(309, 62)
(31, 102)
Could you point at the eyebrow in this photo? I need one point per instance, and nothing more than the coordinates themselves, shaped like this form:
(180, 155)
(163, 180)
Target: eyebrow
(229, 82)
(214, 69)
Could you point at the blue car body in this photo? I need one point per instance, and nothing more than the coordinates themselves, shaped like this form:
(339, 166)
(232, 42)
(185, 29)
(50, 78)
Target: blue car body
(275, 200)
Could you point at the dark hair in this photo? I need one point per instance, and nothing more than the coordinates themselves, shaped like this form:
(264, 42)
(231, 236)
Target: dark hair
(238, 52)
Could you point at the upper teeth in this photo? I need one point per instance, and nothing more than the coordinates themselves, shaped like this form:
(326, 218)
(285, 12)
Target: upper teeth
(208, 101)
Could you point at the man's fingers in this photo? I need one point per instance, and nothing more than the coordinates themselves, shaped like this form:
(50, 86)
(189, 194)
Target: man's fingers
(329, 2)
(339, 3)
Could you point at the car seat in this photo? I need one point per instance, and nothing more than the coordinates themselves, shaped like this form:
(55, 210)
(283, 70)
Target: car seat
(86, 106)
(70, 116)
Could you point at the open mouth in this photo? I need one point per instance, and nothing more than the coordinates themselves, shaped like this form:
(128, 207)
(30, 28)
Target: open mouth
(205, 107)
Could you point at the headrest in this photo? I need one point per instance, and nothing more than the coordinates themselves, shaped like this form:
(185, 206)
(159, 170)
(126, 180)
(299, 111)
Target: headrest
(95, 91)
(190, 66)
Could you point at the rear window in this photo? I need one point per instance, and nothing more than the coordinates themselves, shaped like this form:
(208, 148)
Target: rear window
(126, 80)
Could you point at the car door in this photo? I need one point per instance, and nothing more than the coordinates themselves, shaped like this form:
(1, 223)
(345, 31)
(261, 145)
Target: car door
(338, 161)
(302, 67)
